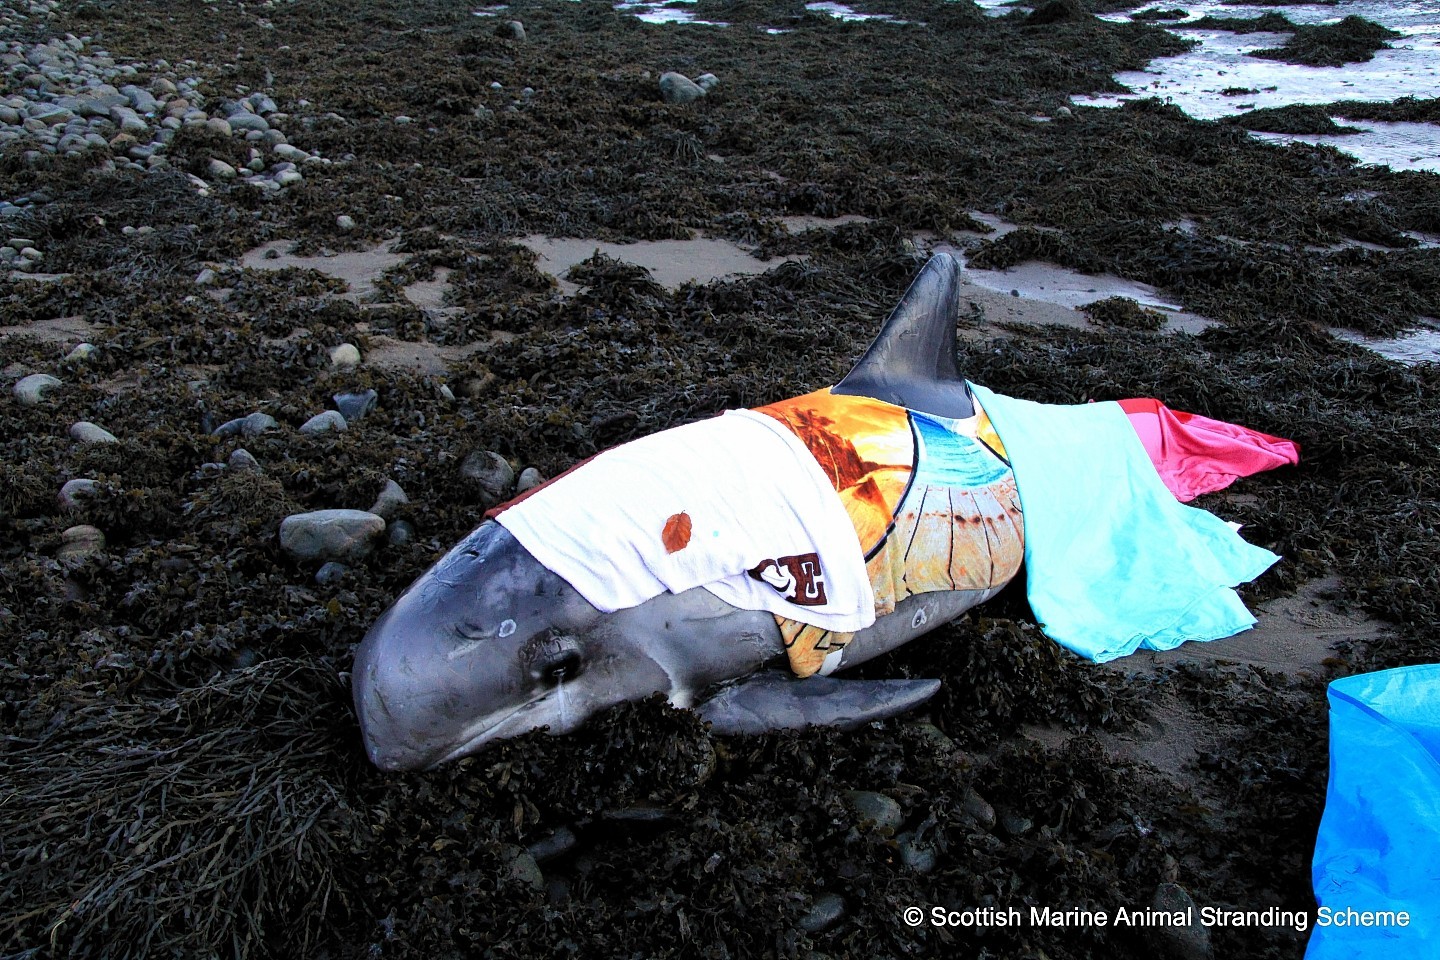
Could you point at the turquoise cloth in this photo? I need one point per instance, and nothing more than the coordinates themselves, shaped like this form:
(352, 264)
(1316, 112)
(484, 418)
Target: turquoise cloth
(1114, 562)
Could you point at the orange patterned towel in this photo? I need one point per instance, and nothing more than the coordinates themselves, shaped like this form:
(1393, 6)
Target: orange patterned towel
(933, 501)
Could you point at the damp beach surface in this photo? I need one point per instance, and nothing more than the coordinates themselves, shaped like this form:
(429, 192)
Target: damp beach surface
(491, 251)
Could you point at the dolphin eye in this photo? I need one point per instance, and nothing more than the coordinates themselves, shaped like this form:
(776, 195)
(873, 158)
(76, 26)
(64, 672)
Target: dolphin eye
(553, 657)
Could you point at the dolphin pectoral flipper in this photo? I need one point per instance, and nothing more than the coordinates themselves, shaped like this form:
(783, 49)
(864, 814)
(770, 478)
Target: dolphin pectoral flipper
(773, 701)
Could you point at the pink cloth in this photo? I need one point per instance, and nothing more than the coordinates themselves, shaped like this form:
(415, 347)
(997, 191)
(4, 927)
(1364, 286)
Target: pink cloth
(1195, 455)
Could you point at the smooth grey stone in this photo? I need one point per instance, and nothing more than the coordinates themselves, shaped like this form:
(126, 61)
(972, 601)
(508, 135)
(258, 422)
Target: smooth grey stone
(919, 857)
(32, 389)
(400, 533)
(288, 152)
(1015, 825)
(353, 406)
(330, 534)
(934, 736)
(324, 423)
(86, 432)
(248, 122)
(559, 843)
(250, 426)
(80, 541)
(978, 809)
(243, 461)
(491, 471)
(50, 114)
(220, 170)
(707, 82)
(218, 125)
(345, 223)
(1190, 942)
(390, 500)
(869, 805)
(827, 909)
(288, 178)
(332, 572)
(678, 88)
(77, 490)
(142, 100)
(511, 30)
(530, 478)
(521, 866)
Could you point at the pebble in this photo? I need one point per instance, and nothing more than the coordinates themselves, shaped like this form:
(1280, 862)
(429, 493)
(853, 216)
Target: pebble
(823, 913)
(345, 223)
(511, 30)
(530, 478)
(678, 88)
(934, 736)
(1015, 825)
(80, 353)
(391, 499)
(251, 426)
(81, 541)
(76, 490)
(248, 122)
(205, 277)
(521, 866)
(919, 857)
(324, 423)
(291, 153)
(86, 432)
(243, 461)
(332, 572)
(978, 809)
(400, 533)
(32, 389)
(869, 805)
(491, 471)
(353, 406)
(219, 125)
(559, 843)
(330, 534)
(220, 170)
(1190, 942)
(707, 82)
(345, 355)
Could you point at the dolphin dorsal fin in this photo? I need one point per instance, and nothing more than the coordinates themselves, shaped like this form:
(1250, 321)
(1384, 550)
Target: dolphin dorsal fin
(911, 362)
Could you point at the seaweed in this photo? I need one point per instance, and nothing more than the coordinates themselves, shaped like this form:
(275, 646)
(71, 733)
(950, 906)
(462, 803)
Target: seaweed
(1352, 40)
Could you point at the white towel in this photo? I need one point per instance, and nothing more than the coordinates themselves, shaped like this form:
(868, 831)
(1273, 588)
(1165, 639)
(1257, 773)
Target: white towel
(735, 504)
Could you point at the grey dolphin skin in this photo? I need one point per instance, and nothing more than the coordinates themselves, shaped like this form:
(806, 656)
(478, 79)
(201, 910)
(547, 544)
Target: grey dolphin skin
(489, 644)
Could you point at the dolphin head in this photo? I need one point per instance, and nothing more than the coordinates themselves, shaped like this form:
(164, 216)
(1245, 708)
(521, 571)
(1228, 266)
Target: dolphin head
(487, 644)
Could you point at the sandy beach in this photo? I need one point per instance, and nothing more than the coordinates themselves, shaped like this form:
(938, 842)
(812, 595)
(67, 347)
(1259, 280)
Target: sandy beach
(264, 259)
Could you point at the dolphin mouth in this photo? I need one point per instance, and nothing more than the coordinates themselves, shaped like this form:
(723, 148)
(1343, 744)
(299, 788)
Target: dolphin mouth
(475, 740)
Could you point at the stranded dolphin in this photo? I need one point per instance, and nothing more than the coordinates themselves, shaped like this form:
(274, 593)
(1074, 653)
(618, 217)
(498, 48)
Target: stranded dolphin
(490, 643)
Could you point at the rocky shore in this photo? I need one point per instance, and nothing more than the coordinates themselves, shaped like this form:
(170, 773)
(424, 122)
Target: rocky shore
(271, 340)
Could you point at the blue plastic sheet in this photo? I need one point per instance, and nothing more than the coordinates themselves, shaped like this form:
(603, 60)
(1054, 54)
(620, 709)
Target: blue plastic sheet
(1378, 850)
